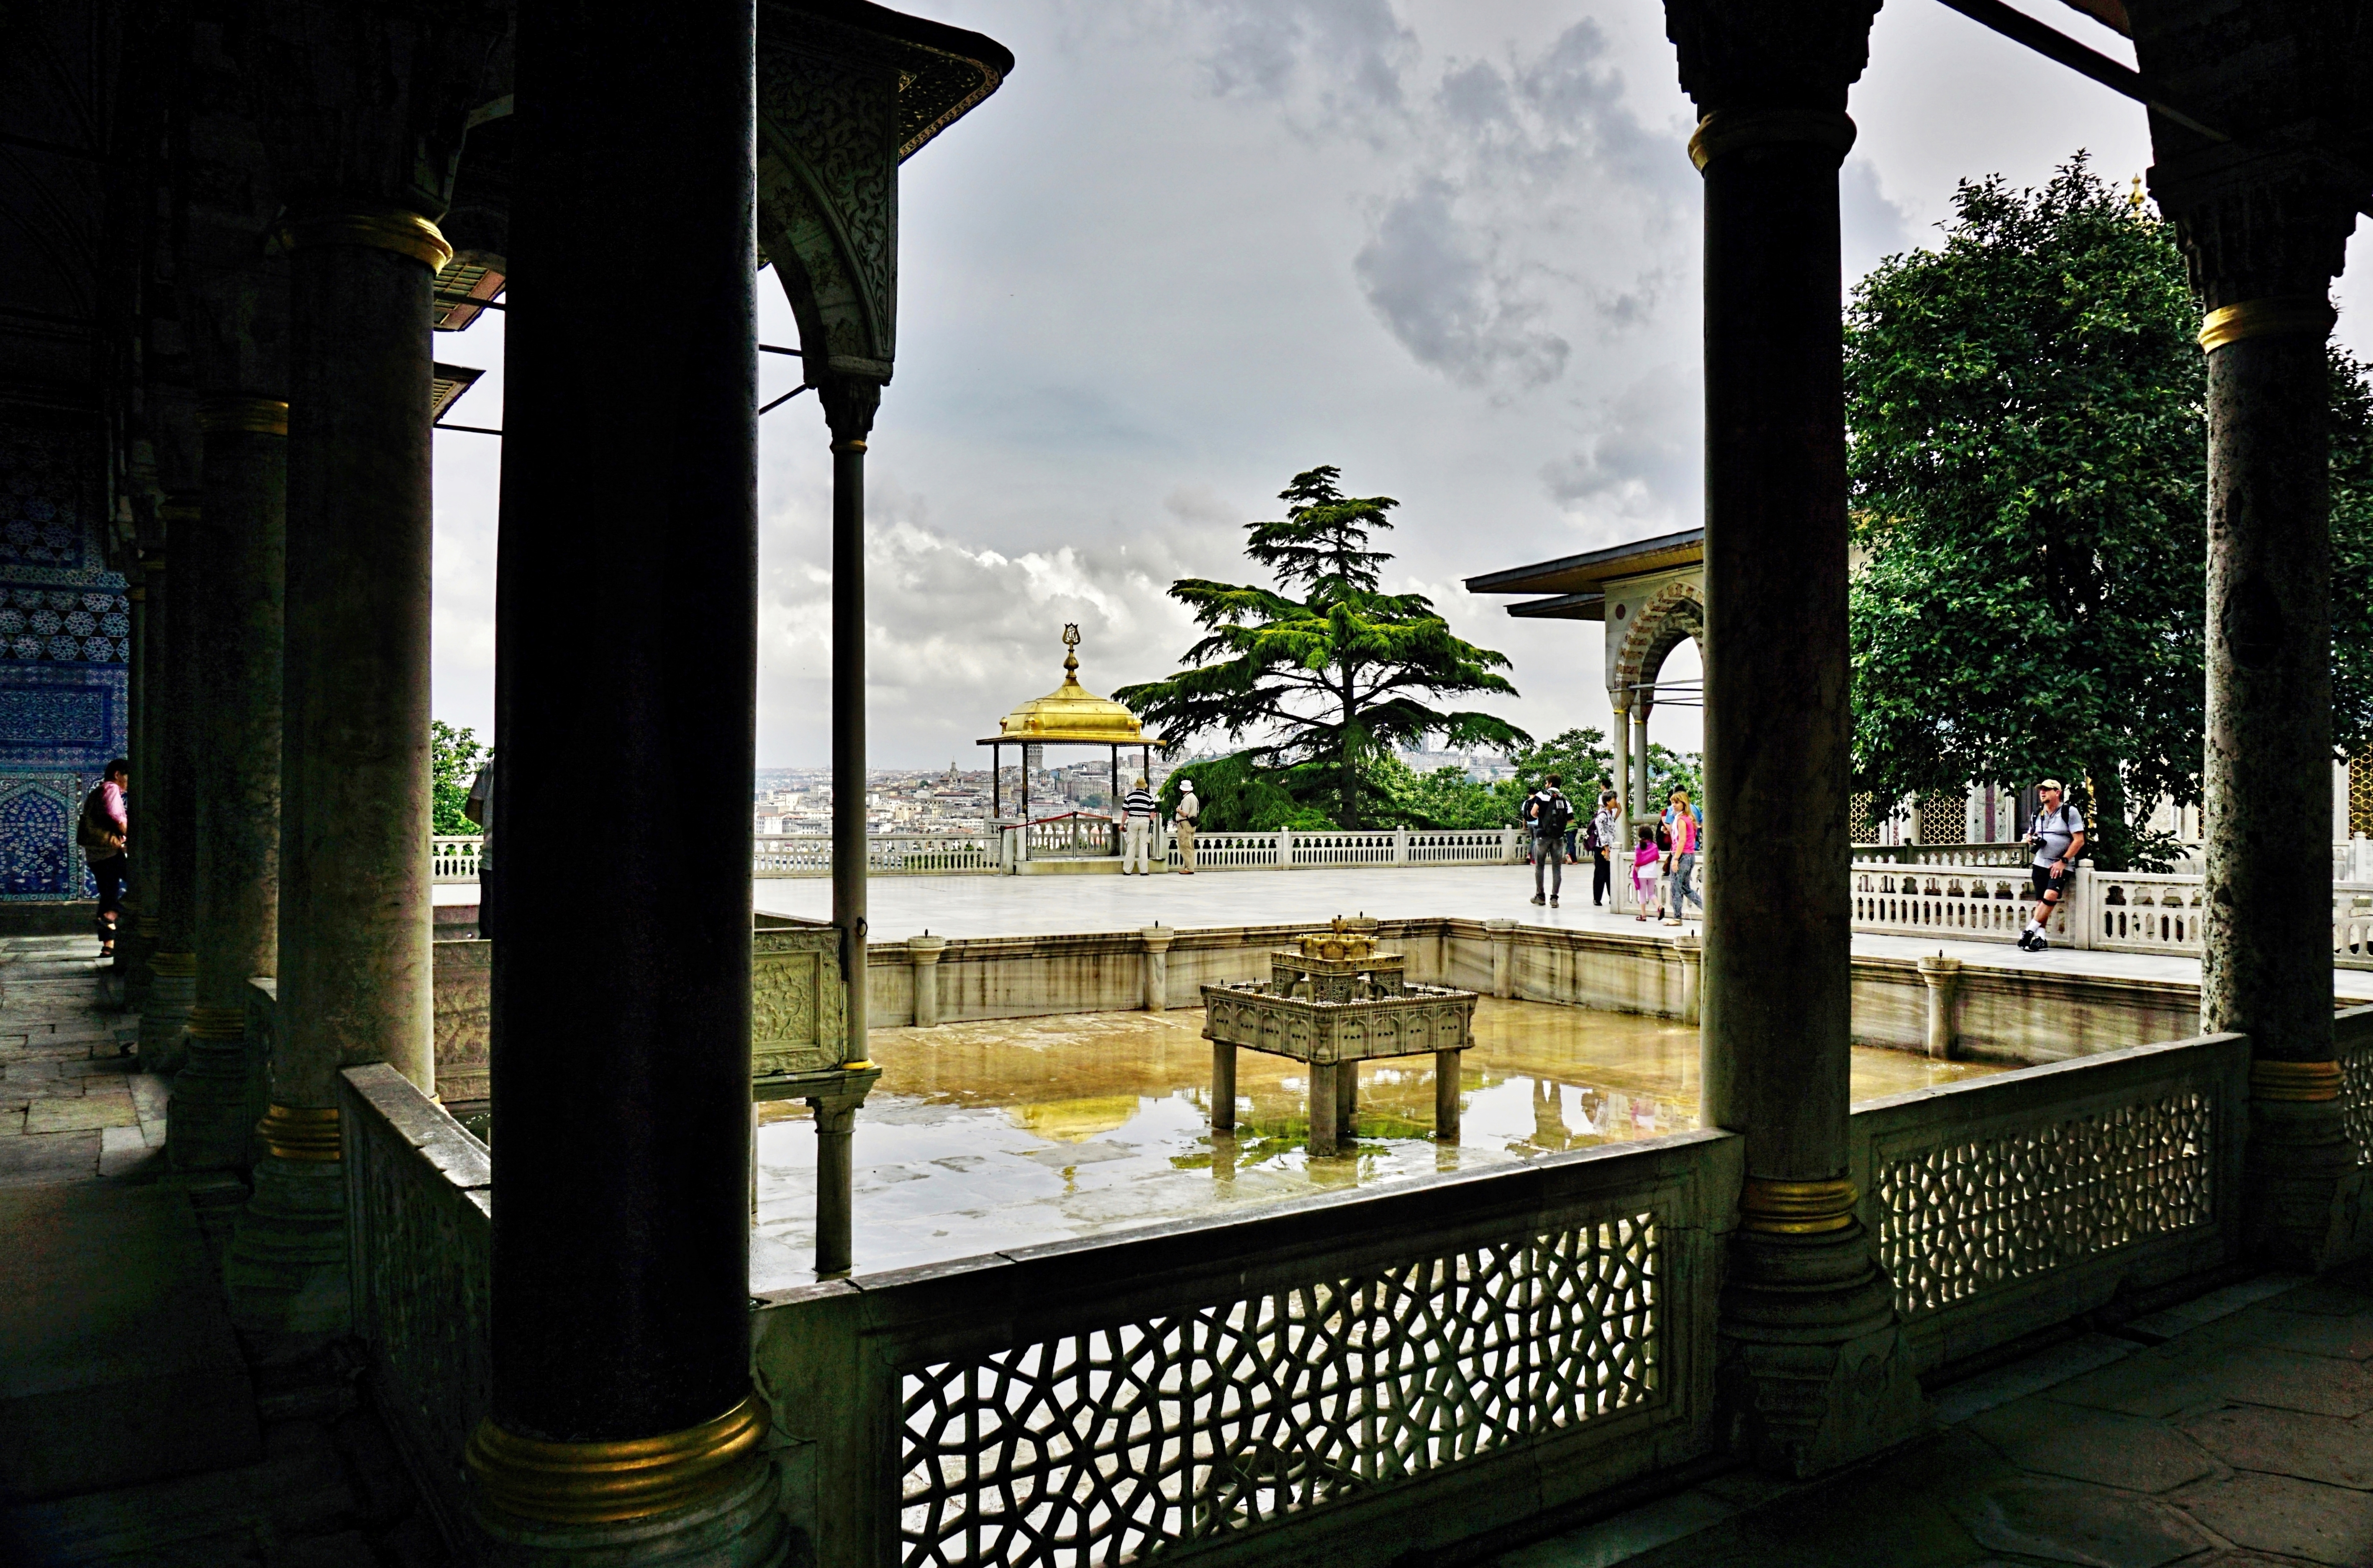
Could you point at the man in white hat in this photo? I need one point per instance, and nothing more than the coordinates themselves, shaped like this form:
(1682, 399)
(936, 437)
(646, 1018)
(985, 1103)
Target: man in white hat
(2058, 835)
(1183, 821)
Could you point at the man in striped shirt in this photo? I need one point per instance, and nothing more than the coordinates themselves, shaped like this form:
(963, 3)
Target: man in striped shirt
(1136, 858)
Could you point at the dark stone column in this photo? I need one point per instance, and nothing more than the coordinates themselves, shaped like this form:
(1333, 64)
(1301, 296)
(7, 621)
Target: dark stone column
(623, 1417)
(233, 563)
(170, 817)
(354, 915)
(2264, 236)
(139, 901)
(850, 403)
(1812, 1362)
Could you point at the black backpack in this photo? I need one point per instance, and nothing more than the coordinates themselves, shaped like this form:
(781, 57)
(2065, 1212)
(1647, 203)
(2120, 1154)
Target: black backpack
(1550, 816)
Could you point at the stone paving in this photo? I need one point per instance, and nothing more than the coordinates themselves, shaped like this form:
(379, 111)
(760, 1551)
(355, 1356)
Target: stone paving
(71, 1104)
(328, 1490)
(2234, 1430)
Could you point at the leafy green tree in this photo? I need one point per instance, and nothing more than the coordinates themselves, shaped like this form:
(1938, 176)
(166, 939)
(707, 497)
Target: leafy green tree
(1579, 758)
(2026, 452)
(1445, 800)
(1671, 770)
(455, 758)
(1233, 794)
(1324, 669)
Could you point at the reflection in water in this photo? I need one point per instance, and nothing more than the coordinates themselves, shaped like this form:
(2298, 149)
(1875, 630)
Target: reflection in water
(1016, 1131)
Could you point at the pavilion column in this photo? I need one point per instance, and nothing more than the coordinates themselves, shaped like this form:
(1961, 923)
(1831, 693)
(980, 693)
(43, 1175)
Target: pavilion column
(233, 564)
(353, 907)
(171, 814)
(850, 403)
(2264, 236)
(1622, 766)
(1811, 1360)
(624, 1427)
(1638, 785)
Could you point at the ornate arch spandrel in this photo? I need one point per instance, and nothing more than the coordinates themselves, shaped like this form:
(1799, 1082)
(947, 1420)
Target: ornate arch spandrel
(828, 203)
(1673, 613)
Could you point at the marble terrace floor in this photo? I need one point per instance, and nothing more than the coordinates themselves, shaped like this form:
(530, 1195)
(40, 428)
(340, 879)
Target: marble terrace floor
(901, 907)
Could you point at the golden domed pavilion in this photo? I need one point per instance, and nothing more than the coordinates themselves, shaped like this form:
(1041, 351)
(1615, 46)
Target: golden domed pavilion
(1071, 715)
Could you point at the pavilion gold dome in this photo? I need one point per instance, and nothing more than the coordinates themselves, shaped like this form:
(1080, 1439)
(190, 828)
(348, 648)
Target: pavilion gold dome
(1071, 712)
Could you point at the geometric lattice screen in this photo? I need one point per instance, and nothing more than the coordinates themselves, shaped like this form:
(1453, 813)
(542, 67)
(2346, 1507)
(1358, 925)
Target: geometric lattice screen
(1961, 1218)
(1111, 1445)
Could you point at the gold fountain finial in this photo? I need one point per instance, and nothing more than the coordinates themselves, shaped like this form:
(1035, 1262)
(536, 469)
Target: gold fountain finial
(1071, 642)
(2134, 198)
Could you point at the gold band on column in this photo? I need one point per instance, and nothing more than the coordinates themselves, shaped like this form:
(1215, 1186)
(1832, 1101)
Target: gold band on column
(172, 965)
(406, 233)
(305, 1133)
(854, 444)
(217, 1023)
(2297, 315)
(256, 415)
(1727, 130)
(593, 1484)
(1796, 1207)
(2294, 1081)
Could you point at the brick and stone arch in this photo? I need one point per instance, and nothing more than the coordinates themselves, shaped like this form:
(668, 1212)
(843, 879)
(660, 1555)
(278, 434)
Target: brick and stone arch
(1674, 614)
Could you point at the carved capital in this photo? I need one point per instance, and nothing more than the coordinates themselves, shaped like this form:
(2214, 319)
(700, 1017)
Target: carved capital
(850, 405)
(2256, 224)
(1770, 54)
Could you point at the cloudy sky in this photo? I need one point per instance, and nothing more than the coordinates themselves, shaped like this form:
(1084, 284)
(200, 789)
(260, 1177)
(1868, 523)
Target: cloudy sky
(1193, 247)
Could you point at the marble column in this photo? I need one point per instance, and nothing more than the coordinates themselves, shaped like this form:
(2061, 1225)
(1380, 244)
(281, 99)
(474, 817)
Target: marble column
(169, 818)
(354, 910)
(233, 563)
(2264, 234)
(624, 1427)
(1810, 1359)
(1638, 786)
(1622, 769)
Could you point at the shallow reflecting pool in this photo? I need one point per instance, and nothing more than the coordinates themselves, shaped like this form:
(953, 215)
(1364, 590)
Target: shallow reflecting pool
(1016, 1131)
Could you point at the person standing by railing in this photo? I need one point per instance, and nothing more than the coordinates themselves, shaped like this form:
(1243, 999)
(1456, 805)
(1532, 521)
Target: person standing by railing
(2058, 835)
(1183, 820)
(1604, 841)
(479, 807)
(1647, 870)
(1135, 857)
(1546, 812)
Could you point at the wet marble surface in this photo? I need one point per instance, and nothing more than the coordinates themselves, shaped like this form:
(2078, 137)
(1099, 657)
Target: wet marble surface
(1010, 1132)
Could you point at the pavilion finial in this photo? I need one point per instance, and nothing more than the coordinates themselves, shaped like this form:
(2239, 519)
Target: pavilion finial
(1071, 644)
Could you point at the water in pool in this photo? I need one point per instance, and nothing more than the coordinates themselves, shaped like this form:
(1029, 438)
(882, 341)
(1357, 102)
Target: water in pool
(1010, 1132)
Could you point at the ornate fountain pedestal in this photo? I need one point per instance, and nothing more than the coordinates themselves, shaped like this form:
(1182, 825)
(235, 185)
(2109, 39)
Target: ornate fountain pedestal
(1334, 1001)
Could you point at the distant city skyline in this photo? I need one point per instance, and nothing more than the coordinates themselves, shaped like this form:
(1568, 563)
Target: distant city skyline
(1190, 249)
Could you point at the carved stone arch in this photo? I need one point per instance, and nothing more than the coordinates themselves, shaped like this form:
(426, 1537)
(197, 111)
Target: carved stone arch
(1675, 613)
(828, 203)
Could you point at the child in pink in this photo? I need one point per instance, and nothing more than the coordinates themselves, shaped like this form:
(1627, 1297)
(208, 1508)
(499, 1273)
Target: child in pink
(1647, 870)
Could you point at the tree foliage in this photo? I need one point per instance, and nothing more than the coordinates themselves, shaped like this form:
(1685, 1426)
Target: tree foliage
(2028, 438)
(1323, 670)
(455, 758)
(2028, 454)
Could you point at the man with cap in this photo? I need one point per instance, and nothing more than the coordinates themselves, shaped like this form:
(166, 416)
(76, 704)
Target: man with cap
(1182, 820)
(2058, 835)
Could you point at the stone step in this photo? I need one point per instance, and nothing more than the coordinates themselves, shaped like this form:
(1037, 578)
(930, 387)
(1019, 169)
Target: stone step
(117, 1362)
